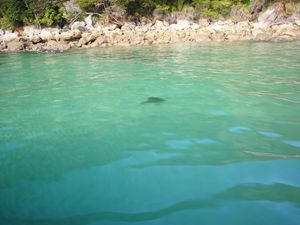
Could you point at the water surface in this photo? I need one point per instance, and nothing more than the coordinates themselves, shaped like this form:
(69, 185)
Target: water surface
(82, 143)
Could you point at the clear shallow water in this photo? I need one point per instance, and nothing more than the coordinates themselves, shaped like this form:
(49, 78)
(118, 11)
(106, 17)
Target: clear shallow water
(78, 147)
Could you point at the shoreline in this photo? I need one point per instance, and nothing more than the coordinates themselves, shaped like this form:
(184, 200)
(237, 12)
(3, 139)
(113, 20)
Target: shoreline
(268, 27)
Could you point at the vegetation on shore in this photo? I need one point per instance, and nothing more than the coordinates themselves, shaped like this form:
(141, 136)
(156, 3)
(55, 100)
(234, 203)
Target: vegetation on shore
(15, 13)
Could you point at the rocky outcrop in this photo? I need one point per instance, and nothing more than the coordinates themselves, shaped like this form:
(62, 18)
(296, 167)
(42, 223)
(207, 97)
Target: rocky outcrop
(272, 25)
(274, 14)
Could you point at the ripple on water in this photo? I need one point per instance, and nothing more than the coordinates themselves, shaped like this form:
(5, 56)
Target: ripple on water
(269, 134)
(238, 129)
(218, 113)
(185, 143)
(295, 143)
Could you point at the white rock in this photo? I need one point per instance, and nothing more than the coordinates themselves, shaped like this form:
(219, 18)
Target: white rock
(15, 46)
(90, 21)
(128, 26)
(260, 25)
(268, 15)
(8, 37)
(145, 28)
(76, 25)
(175, 27)
(166, 23)
(66, 36)
(217, 26)
(112, 27)
(203, 22)
(184, 24)
(46, 35)
(159, 25)
(195, 26)
(31, 31)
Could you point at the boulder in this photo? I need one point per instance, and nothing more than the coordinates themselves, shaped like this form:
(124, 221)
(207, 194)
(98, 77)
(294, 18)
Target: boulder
(82, 41)
(100, 41)
(92, 37)
(145, 28)
(288, 31)
(78, 25)
(176, 36)
(66, 36)
(136, 38)
(159, 25)
(46, 35)
(203, 22)
(54, 46)
(15, 46)
(128, 26)
(112, 27)
(202, 35)
(295, 16)
(218, 36)
(33, 47)
(10, 37)
(265, 35)
(113, 38)
(150, 36)
(163, 38)
(30, 31)
(274, 14)
(90, 20)
(184, 24)
(76, 34)
(2, 46)
(242, 31)
(35, 39)
(195, 26)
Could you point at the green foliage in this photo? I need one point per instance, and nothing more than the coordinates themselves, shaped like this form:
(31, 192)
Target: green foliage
(88, 5)
(140, 7)
(5, 23)
(52, 15)
(52, 12)
(13, 11)
(217, 8)
(41, 12)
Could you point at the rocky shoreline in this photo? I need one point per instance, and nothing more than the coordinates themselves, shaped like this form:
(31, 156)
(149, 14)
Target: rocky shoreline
(271, 25)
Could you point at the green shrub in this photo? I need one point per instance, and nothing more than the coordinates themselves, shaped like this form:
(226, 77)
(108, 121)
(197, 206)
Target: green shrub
(14, 11)
(5, 23)
(53, 15)
(217, 8)
(140, 7)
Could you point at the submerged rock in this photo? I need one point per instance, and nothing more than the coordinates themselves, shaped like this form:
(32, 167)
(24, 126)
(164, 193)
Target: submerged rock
(154, 100)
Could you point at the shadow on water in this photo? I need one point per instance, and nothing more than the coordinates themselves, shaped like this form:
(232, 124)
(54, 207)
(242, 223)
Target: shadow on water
(52, 159)
(276, 193)
(56, 157)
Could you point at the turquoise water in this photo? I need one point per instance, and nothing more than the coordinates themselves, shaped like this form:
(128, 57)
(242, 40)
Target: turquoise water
(81, 144)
